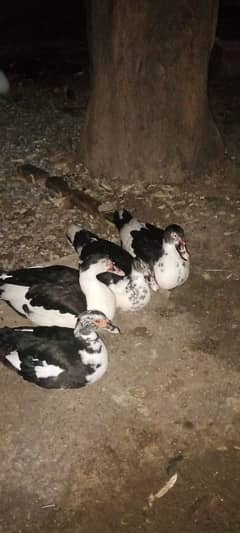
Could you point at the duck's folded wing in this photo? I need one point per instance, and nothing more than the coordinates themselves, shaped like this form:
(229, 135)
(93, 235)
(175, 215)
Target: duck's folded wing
(65, 297)
(57, 365)
(118, 255)
(155, 232)
(37, 275)
(146, 246)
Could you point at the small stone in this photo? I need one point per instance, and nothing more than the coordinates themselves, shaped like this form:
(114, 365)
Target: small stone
(141, 331)
(206, 276)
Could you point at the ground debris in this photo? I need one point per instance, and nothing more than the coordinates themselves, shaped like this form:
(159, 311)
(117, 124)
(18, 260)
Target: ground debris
(76, 198)
(205, 507)
(27, 170)
(171, 466)
(169, 485)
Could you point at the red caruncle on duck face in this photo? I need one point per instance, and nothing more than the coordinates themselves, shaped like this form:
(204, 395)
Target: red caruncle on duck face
(175, 234)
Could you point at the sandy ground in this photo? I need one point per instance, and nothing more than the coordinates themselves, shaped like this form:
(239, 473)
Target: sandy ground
(89, 460)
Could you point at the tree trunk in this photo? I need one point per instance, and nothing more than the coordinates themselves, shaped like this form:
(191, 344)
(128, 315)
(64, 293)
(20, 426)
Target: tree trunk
(148, 115)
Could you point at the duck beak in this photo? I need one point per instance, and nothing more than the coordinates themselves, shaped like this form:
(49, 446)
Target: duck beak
(182, 250)
(115, 270)
(107, 325)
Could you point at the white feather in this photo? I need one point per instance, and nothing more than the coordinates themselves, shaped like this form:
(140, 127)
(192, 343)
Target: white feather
(16, 295)
(171, 270)
(125, 234)
(98, 295)
(47, 371)
(14, 359)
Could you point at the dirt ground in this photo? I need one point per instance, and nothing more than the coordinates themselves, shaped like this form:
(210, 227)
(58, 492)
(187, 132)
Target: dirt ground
(89, 460)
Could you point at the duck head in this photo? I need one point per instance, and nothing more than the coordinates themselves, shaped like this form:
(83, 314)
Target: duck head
(174, 235)
(78, 237)
(99, 264)
(93, 320)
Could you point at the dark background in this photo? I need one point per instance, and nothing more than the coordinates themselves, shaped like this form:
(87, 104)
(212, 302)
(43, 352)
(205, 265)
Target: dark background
(38, 37)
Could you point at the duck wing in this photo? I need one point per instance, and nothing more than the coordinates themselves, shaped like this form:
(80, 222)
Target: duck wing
(36, 275)
(79, 238)
(64, 295)
(147, 244)
(46, 356)
(118, 255)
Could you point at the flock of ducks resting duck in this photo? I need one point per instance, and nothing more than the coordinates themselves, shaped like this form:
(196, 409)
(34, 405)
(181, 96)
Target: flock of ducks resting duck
(69, 306)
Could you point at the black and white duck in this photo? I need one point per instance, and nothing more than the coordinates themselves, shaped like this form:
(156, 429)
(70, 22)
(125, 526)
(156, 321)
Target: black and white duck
(58, 358)
(132, 291)
(165, 251)
(56, 295)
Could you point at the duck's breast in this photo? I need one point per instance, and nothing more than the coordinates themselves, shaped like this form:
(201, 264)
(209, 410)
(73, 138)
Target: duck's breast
(171, 270)
(131, 295)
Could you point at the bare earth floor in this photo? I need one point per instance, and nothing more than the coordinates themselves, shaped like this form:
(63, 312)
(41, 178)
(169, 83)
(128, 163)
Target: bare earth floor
(88, 460)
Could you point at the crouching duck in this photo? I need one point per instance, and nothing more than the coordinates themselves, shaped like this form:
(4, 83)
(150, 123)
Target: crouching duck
(132, 291)
(56, 295)
(58, 358)
(165, 251)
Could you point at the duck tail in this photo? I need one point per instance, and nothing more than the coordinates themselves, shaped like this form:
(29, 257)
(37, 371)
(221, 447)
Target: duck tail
(6, 342)
(3, 276)
(121, 217)
(79, 238)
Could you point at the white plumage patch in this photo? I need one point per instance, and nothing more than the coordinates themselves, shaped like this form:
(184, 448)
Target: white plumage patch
(98, 360)
(125, 234)
(100, 369)
(171, 270)
(16, 294)
(98, 295)
(47, 371)
(50, 317)
(4, 276)
(14, 359)
(28, 330)
(131, 294)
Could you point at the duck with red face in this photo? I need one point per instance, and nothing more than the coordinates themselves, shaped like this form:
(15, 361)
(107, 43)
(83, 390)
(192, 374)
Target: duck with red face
(165, 251)
(172, 267)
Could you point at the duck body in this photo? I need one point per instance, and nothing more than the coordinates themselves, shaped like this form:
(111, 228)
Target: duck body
(86, 244)
(58, 358)
(139, 239)
(52, 296)
(171, 270)
(163, 250)
(132, 291)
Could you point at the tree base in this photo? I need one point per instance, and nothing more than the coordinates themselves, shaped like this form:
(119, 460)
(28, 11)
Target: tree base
(148, 116)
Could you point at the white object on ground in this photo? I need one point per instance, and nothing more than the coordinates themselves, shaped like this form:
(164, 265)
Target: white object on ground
(169, 485)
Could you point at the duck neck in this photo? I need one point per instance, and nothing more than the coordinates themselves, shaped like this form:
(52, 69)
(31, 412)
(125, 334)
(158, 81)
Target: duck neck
(137, 276)
(94, 354)
(87, 334)
(97, 294)
(169, 248)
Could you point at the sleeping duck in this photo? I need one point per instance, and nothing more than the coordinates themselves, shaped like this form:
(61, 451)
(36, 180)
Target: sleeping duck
(132, 291)
(58, 358)
(165, 251)
(56, 295)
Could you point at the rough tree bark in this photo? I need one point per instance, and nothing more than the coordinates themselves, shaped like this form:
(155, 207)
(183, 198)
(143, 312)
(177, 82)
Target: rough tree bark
(148, 116)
